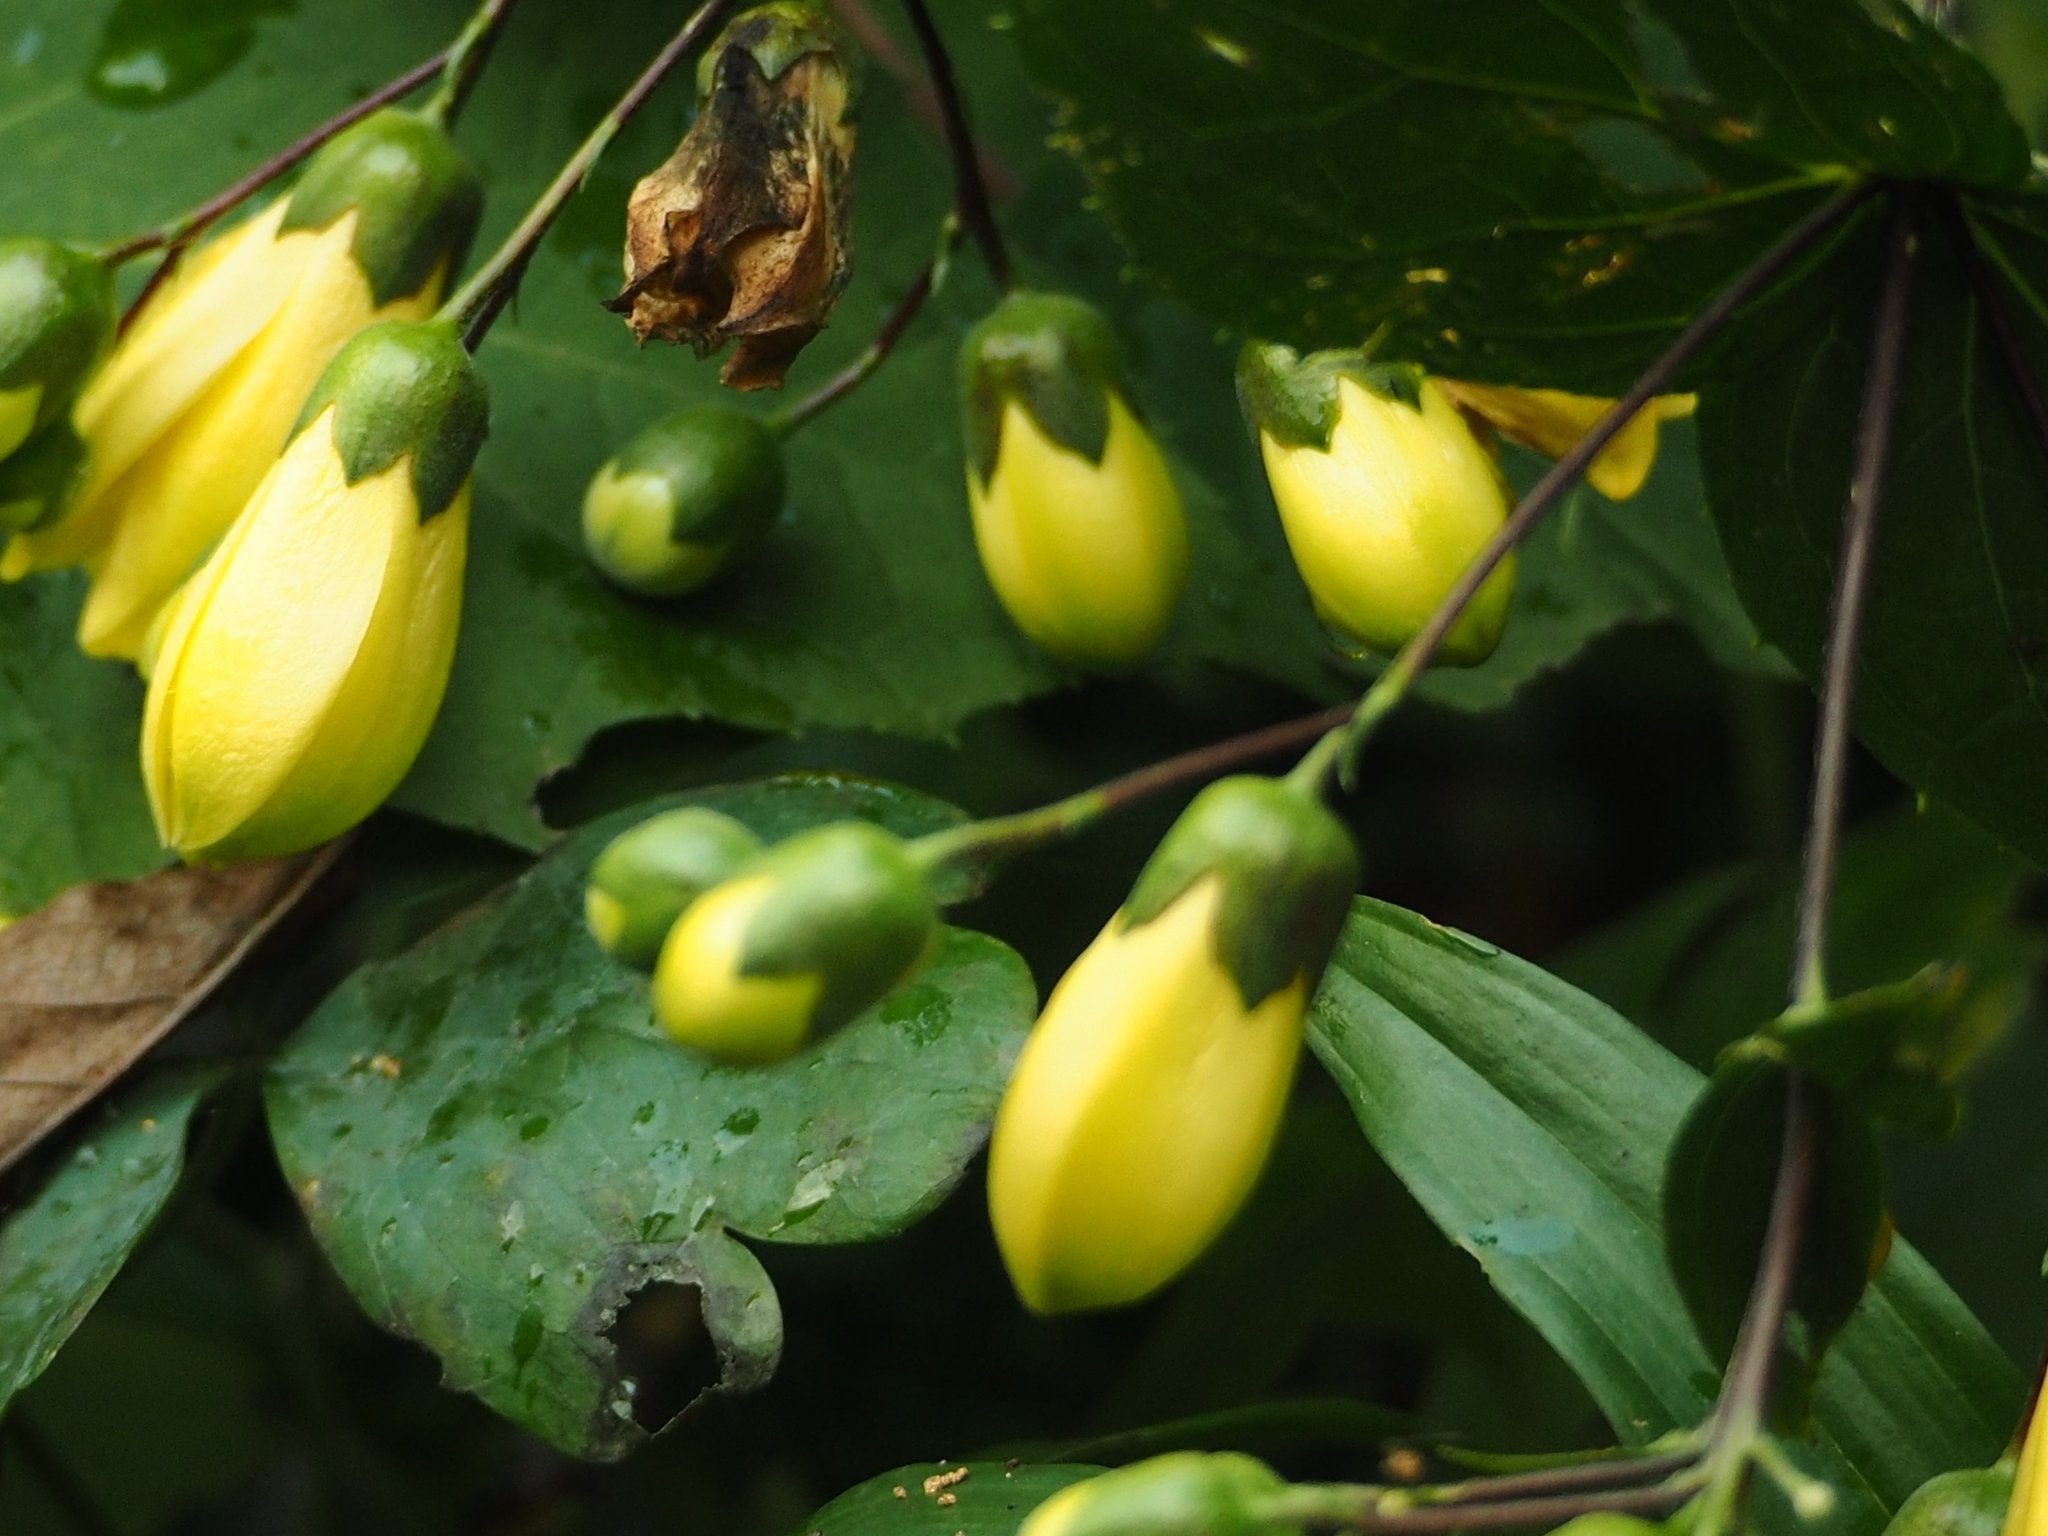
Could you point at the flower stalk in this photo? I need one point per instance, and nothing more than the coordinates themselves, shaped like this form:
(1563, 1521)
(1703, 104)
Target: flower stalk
(970, 188)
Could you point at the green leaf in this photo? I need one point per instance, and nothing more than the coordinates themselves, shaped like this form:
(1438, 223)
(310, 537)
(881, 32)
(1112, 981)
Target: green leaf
(1950, 692)
(1531, 1122)
(498, 1148)
(71, 802)
(65, 1243)
(1532, 194)
(992, 1500)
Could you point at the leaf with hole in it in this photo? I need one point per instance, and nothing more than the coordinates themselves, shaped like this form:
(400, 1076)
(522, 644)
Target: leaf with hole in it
(1538, 194)
(63, 1245)
(981, 1498)
(1718, 1181)
(1531, 1122)
(507, 1160)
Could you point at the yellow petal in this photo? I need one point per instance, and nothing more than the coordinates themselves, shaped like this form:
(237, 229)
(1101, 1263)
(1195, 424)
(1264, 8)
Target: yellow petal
(702, 999)
(1383, 522)
(179, 496)
(1552, 421)
(1089, 559)
(2027, 1513)
(264, 639)
(1140, 1112)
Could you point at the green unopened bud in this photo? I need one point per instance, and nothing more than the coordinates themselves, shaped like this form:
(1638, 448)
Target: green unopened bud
(1186, 1493)
(648, 875)
(663, 516)
(38, 481)
(56, 320)
(797, 943)
(1970, 1502)
(1385, 495)
(1607, 1522)
(1076, 517)
(416, 198)
(405, 387)
(1286, 868)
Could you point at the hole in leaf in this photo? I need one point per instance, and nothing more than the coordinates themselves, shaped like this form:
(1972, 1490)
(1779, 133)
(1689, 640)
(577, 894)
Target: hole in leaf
(664, 1351)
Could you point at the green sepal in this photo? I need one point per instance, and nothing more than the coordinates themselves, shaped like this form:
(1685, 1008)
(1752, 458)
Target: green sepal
(1720, 1172)
(405, 387)
(655, 870)
(1213, 1493)
(1054, 355)
(416, 197)
(1896, 1049)
(1968, 1502)
(38, 480)
(1294, 399)
(723, 468)
(850, 907)
(56, 319)
(775, 36)
(1288, 870)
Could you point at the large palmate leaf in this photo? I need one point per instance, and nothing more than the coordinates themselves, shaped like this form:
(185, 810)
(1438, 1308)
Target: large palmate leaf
(1532, 1123)
(498, 1148)
(1537, 194)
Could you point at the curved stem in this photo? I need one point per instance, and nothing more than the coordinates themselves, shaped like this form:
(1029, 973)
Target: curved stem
(970, 190)
(1393, 684)
(490, 288)
(857, 372)
(466, 58)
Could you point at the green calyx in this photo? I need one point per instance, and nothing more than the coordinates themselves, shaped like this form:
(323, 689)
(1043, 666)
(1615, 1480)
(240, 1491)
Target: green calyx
(850, 907)
(1054, 355)
(416, 198)
(1184, 1493)
(723, 469)
(775, 36)
(1288, 869)
(405, 387)
(649, 874)
(56, 322)
(1294, 399)
(38, 481)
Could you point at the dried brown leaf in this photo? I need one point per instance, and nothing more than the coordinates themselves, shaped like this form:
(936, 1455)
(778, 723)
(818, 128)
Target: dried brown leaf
(94, 979)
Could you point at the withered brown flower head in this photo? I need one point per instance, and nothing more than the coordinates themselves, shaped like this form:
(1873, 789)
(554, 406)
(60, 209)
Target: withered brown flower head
(743, 232)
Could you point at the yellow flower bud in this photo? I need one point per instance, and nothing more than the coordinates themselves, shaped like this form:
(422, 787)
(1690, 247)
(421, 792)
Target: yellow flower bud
(799, 941)
(1552, 422)
(1183, 1493)
(1076, 517)
(648, 876)
(1147, 1097)
(196, 402)
(303, 664)
(1385, 495)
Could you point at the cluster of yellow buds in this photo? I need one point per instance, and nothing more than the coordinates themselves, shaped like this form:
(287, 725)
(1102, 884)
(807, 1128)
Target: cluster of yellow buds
(758, 952)
(1147, 1097)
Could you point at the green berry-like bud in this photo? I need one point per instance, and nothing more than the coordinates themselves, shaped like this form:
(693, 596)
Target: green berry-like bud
(662, 517)
(795, 944)
(649, 874)
(1186, 1493)
(1968, 1502)
(1607, 1522)
(38, 481)
(416, 198)
(56, 321)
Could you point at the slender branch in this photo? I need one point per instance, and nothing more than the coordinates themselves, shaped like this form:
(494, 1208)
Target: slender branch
(1382, 1512)
(491, 286)
(983, 842)
(467, 56)
(180, 231)
(1623, 1471)
(1997, 315)
(1393, 684)
(1845, 615)
(855, 373)
(970, 192)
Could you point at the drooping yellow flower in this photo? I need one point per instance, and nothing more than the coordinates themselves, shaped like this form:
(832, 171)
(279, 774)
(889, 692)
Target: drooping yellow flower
(1551, 421)
(1076, 517)
(303, 664)
(1147, 1097)
(196, 402)
(796, 943)
(1384, 493)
